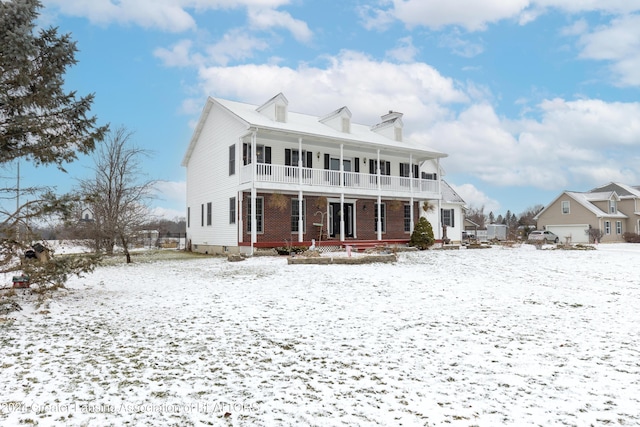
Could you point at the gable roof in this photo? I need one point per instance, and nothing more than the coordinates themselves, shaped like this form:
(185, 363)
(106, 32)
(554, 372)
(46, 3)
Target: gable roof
(449, 195)
(624, 191)
(298, 124)
(586, 200)
(339, 112)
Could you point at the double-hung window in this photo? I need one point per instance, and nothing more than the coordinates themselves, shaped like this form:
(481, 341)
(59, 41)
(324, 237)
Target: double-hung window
(232, 160)
(447, 217)
(295, 215)
(232, 210)
(618, 227)
(565, 207)
(407, 218)
(259, 214)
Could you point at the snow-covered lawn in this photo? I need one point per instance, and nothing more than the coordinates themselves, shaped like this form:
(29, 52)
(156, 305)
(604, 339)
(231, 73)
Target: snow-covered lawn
(502, 336)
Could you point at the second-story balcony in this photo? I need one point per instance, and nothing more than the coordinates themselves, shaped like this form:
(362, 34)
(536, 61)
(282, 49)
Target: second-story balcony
(280, 177)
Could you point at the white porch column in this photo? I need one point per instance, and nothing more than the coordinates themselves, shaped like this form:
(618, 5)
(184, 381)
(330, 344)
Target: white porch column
(342, 192)
(439, 219)
(240, 229)
(300, 161)
(300, 195)
(411, 190)
(439, 213)
(254, 163)
(379, 196)
(300, 217)
(411, 214)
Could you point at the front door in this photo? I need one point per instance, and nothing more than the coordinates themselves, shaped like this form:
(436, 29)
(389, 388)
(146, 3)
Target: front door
(334, 219)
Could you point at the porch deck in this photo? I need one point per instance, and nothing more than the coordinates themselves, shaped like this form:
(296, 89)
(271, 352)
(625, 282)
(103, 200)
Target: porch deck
(272, 176)
(329, 245)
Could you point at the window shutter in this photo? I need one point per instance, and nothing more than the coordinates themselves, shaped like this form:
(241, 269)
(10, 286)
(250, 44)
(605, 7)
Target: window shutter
(356, 164)
(326, 161)
(267, 155)
(453, 224)
(416, 171)
(387, 170)
(287, 156)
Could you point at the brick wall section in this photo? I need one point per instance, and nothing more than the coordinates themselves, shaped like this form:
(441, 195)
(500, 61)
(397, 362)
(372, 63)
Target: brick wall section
(277, 222)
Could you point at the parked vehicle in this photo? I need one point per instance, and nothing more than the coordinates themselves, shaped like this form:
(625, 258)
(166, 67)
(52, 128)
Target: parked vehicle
(543, 236)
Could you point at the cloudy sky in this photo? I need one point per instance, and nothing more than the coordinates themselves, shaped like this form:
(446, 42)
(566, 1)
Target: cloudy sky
(528, 97)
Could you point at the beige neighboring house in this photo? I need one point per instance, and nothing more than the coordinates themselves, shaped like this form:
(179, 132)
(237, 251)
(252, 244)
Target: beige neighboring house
(614, 209)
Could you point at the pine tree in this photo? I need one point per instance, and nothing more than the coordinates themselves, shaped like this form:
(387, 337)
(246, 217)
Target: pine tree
(422, 236)
(40, 123)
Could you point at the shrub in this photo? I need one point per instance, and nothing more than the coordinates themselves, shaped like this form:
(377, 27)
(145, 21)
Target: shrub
(422, 236)
(631, 237)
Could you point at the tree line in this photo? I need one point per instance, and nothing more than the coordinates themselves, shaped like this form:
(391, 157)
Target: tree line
(523, 222)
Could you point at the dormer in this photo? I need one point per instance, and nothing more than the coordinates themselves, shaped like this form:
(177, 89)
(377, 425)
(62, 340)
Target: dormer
(390, 126)
(613, 203)
(275, 108)
(339, 120)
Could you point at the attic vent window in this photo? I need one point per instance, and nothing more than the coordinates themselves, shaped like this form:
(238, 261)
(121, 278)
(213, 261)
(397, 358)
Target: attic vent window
(398, 134)
(346, 125)
(281, 113)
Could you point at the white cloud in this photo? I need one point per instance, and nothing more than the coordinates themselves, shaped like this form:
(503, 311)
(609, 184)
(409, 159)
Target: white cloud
(588, 123)
(619, 44)
(375, 19)
(473, 15)
(460, 46)
(173, 15)
(476, 198)
(166, 213)
(179, 55)
(166, 15)
(269, 18)
(578, 28)
(476, 15)
(235, 45)
(583, 142)
(578, 6)
(404, 51)
(371, 88)
(173, 192)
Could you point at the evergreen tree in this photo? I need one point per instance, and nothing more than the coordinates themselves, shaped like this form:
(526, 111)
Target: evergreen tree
(40, 123)
(422, 236)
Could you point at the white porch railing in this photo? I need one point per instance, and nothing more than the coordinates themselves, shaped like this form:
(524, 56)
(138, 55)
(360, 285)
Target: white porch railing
(279, 174)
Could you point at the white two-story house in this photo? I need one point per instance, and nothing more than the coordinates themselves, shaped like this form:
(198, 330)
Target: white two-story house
(264, 176)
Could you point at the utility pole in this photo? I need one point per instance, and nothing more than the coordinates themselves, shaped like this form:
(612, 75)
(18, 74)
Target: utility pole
(18, 201)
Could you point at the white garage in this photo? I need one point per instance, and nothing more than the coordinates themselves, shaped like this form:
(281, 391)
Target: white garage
(577, 232)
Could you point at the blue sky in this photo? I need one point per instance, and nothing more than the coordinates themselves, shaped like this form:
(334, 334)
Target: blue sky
(528, 97)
